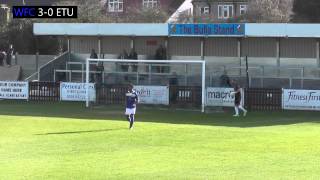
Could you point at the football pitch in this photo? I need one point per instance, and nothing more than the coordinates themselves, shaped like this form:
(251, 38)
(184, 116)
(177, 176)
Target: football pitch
(68, 141)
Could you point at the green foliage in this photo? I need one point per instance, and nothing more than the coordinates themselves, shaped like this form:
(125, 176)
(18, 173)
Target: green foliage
(155, 15)
(19, 32)
(88, 12)
(67, 141)
(94, 11)
(269, 11)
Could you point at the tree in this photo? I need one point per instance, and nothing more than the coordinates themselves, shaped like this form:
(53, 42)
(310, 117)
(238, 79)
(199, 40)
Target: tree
(19, 33)
(306, 12)
(94, 11)
(151, 15)
(278, 11)
(91, 11)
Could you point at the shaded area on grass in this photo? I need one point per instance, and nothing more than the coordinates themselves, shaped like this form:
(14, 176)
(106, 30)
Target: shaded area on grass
(115, 112)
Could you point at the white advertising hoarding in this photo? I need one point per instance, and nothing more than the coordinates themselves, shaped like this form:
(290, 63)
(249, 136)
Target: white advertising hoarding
(221, 97)
(153, 94)
(76, 91)
(301, 99)
(14, 90)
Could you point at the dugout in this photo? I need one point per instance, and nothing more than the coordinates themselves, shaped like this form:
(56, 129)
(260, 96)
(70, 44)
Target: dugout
(279, 55)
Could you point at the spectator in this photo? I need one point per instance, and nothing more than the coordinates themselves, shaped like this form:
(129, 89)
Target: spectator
(93, 54)
(93, 67)
(99, 75)
(133, 55)
(3, 56)
(225, 80)
(92, 79)
(9, 55)
(161, 54)
(98, 68)
(124, 55)
(173, 81)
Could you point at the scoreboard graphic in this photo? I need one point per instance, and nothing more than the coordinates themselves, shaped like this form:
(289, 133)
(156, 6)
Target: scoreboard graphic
(45, 11)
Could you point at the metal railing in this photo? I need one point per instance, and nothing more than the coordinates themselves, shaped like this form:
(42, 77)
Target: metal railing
(32, 77)
(46, 71)
(44, 91)
(147, 71)
(289, 77)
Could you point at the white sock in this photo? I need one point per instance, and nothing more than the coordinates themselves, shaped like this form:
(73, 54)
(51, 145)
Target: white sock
(236, 110)
(243, 109)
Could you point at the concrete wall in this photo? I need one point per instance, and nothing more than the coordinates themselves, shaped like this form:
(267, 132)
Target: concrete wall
(83, 44)
(114, 45)
(191, 46)
(148, 45)
(184, 46)
(258, 47)
(298, 48)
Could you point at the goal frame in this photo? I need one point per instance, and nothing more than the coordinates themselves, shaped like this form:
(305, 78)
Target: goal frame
(201, 62)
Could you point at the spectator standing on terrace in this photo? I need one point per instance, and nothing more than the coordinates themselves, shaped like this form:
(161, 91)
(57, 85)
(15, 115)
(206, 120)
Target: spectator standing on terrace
(99, 74)
(93, 55)
(133, 55)
(3, 56)
(124, 55)
(173, 81)
(9, 55)
(161, 54)
(225, 80)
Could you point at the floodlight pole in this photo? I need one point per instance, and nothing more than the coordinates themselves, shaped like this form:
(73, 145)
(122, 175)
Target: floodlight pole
(87, 82)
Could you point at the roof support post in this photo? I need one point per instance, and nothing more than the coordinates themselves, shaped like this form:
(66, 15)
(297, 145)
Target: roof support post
(166, 45)
(318, 52)
(202, 48)
(99, 47)
(239, 53)
(132, 43)
(278, 55)
(68, 41)
(69, 51)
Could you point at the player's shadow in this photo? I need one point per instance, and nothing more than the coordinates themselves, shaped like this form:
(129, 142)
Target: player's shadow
(79, 132)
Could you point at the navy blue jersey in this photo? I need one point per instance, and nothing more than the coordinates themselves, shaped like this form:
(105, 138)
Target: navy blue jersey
(131, 99)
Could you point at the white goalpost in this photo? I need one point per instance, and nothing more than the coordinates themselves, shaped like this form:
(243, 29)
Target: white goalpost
(201, 62)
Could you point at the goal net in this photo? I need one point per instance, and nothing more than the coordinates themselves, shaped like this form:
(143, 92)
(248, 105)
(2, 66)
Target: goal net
(164, 81)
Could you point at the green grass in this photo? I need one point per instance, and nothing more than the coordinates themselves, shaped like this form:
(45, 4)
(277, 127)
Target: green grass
(67, 141)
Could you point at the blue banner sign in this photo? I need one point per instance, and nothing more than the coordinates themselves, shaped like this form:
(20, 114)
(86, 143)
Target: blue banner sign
(206, 29)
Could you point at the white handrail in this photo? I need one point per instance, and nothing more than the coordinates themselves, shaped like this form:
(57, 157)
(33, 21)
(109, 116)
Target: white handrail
(35, 73)
(28, 78)
(53, 60)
